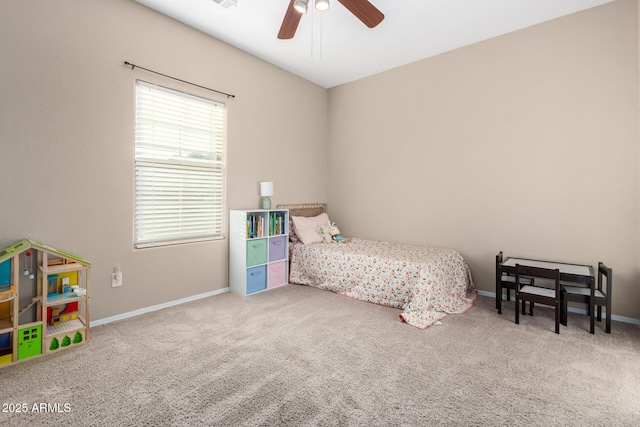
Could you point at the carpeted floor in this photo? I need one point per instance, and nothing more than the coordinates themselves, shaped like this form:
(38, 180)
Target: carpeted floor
(301, 356)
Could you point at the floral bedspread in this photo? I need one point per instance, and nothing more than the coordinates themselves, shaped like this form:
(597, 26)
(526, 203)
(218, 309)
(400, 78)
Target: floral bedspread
(427, 283)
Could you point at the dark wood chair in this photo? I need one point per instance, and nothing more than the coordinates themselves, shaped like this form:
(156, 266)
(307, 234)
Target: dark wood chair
(601, 297)
(532, 293)
(505, 281)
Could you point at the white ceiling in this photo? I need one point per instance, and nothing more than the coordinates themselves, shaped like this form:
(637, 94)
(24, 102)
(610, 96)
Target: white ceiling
(334, 47)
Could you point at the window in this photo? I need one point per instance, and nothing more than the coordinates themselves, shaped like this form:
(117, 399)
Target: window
(179, 167)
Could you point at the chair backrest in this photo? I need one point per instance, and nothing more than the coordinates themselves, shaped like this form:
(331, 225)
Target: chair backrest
(498, 263)
(604, 271)
(544, 273)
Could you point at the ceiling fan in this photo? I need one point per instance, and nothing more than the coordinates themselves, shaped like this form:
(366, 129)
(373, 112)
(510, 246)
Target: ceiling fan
(362, 9)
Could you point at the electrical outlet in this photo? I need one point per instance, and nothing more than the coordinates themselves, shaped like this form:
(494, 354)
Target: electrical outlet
(116, 277)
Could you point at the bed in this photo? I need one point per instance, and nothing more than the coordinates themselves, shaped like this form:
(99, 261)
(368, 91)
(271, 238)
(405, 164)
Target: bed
(426, 283)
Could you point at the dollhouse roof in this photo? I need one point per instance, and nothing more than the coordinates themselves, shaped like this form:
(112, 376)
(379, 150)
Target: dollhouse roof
(26, 244)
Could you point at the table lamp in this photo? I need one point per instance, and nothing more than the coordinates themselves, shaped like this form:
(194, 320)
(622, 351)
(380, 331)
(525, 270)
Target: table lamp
(266, 191)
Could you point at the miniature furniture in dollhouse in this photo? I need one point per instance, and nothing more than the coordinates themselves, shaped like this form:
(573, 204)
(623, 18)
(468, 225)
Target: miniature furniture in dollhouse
(44, 301)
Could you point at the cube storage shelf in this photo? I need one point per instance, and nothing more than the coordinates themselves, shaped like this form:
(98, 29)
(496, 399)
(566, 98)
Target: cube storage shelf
(258, 250)
(53, 317)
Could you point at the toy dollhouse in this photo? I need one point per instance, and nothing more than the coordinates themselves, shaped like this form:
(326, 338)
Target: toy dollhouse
(44, 301)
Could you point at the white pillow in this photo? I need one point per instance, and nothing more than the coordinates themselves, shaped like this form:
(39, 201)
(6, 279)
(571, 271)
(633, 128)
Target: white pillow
(307, 227)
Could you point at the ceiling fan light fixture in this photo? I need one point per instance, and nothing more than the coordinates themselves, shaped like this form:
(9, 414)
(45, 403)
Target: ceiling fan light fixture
(322, 5)
(301, 5)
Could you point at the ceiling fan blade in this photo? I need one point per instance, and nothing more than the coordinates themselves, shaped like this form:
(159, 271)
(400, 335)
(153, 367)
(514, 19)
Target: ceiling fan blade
(289, 23)
(364, 11)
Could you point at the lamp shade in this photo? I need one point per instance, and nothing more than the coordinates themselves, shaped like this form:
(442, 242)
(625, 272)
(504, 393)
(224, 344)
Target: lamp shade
(301, 5)
(322, 5)
(266, 189)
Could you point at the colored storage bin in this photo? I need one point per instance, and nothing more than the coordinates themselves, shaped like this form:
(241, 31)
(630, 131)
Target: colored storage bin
(29, 341)
(256, 252)
(277, 274)
(277, 247)
(256, 279)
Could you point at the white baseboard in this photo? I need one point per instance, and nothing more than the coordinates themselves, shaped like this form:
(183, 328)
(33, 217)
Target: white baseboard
(576, 310)
(224, 290)
(156, 307)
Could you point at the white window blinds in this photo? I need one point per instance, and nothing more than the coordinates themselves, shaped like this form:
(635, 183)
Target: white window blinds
(179, 166)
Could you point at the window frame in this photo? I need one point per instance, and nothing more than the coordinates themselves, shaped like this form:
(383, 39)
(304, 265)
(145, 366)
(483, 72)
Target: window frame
(217, 168)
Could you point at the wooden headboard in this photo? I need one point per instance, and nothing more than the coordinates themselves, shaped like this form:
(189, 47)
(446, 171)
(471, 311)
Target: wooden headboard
(305, 209)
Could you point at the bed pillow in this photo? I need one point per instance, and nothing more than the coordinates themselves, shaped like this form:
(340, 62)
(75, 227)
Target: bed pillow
(307, 228)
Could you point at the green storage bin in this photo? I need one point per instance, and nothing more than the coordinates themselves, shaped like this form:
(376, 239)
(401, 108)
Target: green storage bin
(256, 252)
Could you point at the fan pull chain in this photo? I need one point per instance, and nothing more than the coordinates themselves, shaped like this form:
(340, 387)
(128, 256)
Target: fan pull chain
(321, 38)
(313, 33)
(313, 18)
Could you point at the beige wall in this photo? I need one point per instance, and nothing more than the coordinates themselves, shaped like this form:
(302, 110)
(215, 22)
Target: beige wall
(526, 143)
(66, 138)
(430, 153)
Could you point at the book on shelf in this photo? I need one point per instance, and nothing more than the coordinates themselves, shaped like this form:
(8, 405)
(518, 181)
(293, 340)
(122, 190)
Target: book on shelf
(258, 225)
(276, 223)
(255, 226)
